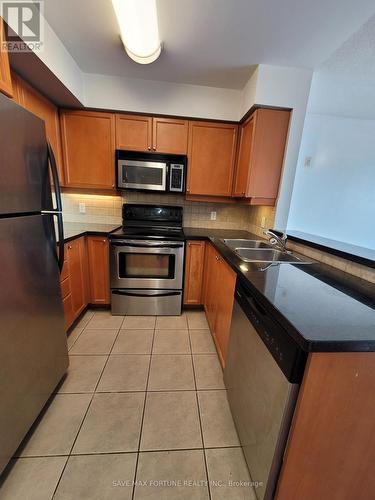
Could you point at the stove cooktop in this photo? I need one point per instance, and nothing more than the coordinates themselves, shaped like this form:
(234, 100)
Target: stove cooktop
(149, 233)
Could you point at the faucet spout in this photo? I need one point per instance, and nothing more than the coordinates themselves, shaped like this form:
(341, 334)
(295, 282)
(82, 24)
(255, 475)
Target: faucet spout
(274, 239)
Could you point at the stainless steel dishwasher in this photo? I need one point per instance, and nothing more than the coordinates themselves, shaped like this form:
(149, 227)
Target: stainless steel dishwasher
(264, 368)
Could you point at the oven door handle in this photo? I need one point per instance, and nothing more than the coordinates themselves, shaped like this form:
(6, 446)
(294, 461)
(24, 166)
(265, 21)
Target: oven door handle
(147, 245)
(140, 294)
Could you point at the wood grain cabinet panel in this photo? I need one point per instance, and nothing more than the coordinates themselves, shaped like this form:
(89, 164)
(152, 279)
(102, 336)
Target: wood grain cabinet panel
(28, 97)
(98, 255)
(133, 133)
(194, 266)
(89, 149)
(68, 311)
(77, 259)
(170, 135)
(5, 75)
(220, 282)
(212, 149)
(260, 156)
(331, 447)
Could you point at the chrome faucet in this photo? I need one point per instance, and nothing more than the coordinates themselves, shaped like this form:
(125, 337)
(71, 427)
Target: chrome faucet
(274, 239)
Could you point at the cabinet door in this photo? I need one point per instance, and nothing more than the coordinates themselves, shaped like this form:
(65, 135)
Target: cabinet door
(243, 158)
(133, 133)
(212, 148)
(68, 311)
(225, 285)
(210, 285)
(170, 136)
(36, 103)
(76, 256)
(97, 247)
(194, 265)
(5, 76)
(89, 149)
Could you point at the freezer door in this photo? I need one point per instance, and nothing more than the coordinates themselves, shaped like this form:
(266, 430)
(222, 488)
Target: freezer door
(33, 347)
(24, 176)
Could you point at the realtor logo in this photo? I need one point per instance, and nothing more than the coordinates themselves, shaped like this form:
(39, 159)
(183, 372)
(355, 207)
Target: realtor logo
(25, 23)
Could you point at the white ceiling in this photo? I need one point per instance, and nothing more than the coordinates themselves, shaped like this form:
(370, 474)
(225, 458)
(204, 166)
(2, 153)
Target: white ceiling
(211, 42)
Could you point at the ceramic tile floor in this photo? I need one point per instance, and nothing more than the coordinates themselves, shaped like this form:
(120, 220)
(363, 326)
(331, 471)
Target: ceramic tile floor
(142, 414)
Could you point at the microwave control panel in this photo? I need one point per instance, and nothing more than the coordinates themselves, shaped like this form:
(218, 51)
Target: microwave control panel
(176, 178)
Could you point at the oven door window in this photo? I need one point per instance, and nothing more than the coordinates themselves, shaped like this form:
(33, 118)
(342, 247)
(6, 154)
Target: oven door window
(145, 265)
(141, 176)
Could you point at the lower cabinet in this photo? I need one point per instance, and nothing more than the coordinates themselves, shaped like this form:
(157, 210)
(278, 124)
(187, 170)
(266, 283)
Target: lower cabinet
(77, 259)
(218, 298)
(85, 275)
(194, 267)
(98, 255)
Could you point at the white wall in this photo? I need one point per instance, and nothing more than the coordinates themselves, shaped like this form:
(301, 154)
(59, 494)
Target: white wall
(335, 197)
(146, 96)
(285, 87)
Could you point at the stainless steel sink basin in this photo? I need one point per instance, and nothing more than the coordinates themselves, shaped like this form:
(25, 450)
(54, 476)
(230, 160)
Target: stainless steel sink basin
(234, 244)
(267, 255)
(261, 251)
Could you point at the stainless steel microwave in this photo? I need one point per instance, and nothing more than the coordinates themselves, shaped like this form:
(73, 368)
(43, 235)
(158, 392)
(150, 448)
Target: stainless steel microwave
(151, 172)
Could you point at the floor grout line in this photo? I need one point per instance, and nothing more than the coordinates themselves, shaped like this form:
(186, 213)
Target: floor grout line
(85, 415)
(200, 418)
(143, 414)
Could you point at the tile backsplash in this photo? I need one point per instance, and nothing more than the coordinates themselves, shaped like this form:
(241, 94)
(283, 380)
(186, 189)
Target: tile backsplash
(103, 209)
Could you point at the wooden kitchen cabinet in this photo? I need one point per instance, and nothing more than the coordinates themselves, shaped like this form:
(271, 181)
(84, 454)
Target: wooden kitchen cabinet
(5, 75)
(133, 132)
(98, 259)
(28, 97)
(194, 266)
(262, 141)
(170, 135)
(330, 453)
(88, 141)
(212, 150)
(76, 256)
(220, 282)
(160, 135)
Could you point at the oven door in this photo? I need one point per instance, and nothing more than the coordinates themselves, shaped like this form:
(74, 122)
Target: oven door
(137, 174)
(146, 264)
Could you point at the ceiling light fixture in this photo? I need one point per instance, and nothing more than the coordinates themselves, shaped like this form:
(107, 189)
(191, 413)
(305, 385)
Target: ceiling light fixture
(139, 30)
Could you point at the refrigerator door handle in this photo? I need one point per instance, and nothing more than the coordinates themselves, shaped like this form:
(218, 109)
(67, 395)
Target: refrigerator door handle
(58, 211)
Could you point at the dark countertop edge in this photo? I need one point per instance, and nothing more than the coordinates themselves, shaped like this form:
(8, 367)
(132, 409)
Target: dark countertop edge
(89, 232)
(333, 251)
(306, 345)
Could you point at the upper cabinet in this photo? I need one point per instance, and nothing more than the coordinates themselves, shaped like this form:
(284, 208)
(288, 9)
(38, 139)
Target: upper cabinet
(36, 103)
(170, 135)
(142, 133)
(212, 150)
(5, 76)
(260, 156)
(133, 133)
(88, 140)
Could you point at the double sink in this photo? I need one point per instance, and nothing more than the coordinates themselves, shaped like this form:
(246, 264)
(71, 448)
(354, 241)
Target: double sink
(261, 251)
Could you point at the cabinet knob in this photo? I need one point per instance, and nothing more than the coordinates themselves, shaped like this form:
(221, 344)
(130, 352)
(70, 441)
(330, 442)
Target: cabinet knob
(149, 148)
(69, 247)
(154, 148)
(243, 193)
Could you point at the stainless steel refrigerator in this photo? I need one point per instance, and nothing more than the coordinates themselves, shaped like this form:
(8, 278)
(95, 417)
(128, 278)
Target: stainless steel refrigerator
(33, 347)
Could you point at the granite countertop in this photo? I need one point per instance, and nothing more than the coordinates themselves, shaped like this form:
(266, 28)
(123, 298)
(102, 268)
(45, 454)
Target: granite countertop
(74, 230)
(322, 308)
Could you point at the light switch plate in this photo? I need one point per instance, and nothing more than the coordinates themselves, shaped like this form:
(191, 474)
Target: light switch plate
(213, 215)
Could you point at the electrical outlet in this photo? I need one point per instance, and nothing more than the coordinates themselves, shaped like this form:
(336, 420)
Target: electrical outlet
(82, 208)
(308, 162)
(263, 222)
(213, 215)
